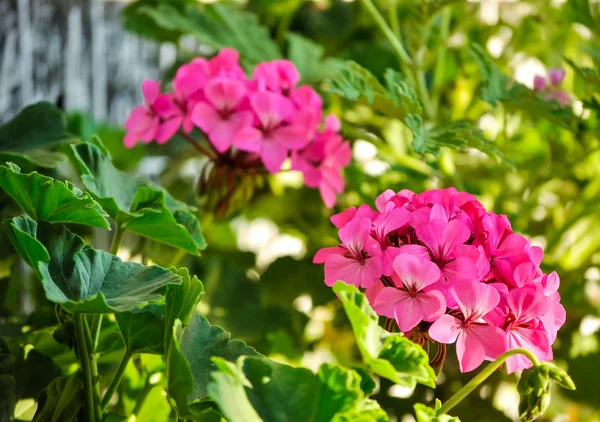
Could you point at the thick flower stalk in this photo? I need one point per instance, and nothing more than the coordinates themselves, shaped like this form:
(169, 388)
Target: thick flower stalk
(252, 124)
(447, 271)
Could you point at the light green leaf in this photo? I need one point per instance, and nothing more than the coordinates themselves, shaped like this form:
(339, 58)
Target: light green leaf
(356, 83)
(308, 58)
(83, 279)
(218, 26)
(427, 414)
(458, 135)
(189, 359)
(498, 88)
(391, 356)
(135, 203)
(257, 389)
(46, 199)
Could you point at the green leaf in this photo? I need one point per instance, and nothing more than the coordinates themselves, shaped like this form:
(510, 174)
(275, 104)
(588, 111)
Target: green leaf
(308, 58)
(61, 400)
(8, 386)
(391, 356)
(46, 199)
(257, 389)
(143, 330)
(135, 203)
(589, 76)
(356, 83)
(83, 279)
(189, 359)
(218, 26)
(498, 88)
(427, 414)
(365, 411)
(181, 301)
(459, 135)
(35, 127)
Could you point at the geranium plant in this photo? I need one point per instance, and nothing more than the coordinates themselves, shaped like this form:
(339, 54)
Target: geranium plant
(172, 269)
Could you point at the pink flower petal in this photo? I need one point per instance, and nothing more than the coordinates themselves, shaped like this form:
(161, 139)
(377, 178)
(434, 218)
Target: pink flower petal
(415, 273)
(248, 139)
(292, 136)
(445, 329)
(324, 253)
(168, 128)
(224, 93)
(273, 155)
(150, 90)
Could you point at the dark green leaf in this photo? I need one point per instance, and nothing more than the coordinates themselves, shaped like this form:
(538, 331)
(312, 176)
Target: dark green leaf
(143, 330)
(61, 401)
(391, 356)
(181, 301)
(135, 203)
(188, 358)
(257, 389)
(218, 26)
(51, 200)
(83, 279)
(37, 125)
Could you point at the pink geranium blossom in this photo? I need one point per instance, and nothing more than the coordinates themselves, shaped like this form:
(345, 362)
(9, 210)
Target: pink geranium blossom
(524, 328)
(322, 161)
(277, 75)
(356, 260)
(253, 124)
(476, 340)
(220, 116)
(408, 302)
(460, 268)
(272, 137)
(158, 119)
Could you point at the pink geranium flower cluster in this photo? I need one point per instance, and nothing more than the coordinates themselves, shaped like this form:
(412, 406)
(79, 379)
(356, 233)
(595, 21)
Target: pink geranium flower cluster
(551, 87)
(260, 120)
(440, 265)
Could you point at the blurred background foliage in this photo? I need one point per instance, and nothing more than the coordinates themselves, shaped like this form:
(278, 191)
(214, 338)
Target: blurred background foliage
(482, 129)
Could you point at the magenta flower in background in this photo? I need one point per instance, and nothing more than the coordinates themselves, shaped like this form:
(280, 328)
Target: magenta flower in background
(408, 302)
(157, 119)
(272, 137)
(459, 275)
(278, 76)
(221, 116)
(550, 86)
(252, 124)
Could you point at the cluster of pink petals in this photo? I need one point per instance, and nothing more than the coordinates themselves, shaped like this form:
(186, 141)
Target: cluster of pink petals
(268, 116)
(551, 87)
(440, 261)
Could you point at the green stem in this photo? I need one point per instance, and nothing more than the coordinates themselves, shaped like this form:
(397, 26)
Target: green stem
(389, 34)
(116, 380)
(482, 376)
(86, 367)
(116, 242)
(140, 403)
(94, 368)
(95, 330)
